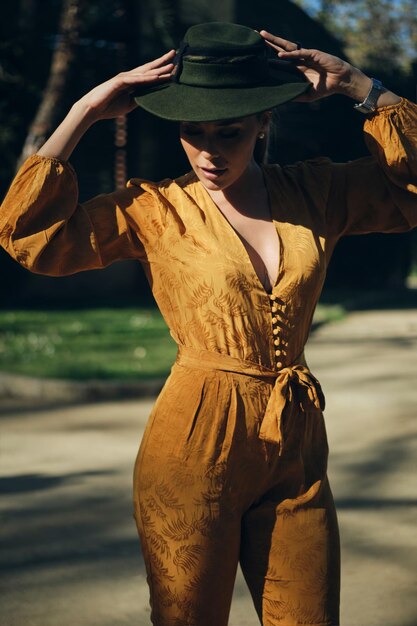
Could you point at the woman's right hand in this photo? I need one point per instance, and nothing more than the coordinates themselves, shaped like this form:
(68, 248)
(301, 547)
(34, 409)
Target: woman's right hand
(106, 101)
(114, 97)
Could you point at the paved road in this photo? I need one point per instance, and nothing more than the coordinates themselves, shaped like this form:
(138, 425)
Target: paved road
(71, 556)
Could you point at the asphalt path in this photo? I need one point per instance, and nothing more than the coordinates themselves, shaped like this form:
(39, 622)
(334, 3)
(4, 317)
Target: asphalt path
(70, 554)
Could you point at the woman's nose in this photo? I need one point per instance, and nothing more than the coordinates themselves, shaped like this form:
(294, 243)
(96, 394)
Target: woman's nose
(210, 148)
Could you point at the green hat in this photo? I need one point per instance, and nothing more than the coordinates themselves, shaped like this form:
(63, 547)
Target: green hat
(223, 71)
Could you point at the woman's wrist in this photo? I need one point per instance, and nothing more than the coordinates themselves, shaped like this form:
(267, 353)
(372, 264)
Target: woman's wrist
(62, 142)
(359, 86)
(83, 113)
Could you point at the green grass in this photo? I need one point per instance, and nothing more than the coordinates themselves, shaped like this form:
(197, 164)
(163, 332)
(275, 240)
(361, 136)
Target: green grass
(105, 343)
(83, 344)
(329, 313)
(129, 343)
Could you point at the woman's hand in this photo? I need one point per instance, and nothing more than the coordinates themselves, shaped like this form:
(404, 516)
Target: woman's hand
(113, 98)
(108, 100)
(327, 73)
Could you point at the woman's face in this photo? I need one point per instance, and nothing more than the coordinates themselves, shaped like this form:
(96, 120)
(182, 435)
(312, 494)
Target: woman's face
(220, 152)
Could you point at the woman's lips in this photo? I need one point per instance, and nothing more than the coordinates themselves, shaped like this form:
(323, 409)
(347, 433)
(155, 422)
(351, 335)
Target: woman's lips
(213, 172)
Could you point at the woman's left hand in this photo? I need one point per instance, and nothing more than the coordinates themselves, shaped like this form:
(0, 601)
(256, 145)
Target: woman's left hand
(327, 73)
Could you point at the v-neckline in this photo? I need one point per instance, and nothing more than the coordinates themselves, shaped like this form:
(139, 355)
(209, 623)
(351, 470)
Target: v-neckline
(237, 237)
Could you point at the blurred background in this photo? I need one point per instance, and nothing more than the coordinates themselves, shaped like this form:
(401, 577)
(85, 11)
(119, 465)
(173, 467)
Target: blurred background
(53, 51)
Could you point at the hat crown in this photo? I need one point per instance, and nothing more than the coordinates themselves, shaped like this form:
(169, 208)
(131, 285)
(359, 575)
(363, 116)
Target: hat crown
(221, 36)
(221, 55)
(222, 71)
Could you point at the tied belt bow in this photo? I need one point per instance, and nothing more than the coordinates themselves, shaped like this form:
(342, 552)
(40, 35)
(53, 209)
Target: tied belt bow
(295, 386)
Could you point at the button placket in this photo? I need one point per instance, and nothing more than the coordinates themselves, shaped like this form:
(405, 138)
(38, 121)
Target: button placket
(276, 330)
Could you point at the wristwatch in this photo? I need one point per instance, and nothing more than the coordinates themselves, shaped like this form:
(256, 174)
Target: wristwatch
(369, 104)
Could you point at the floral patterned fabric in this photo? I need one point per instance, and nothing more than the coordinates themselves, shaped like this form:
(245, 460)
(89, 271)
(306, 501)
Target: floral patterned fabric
(233, 462)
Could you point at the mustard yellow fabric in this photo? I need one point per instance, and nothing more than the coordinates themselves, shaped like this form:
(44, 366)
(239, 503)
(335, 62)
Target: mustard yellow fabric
(233, 462)
(209, 493)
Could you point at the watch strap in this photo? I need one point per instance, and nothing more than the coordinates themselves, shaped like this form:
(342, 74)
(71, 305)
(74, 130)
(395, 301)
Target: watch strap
(369, 104)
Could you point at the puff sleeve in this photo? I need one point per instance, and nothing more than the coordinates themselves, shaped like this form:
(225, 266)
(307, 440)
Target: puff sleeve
(378, 193)
(46, 229)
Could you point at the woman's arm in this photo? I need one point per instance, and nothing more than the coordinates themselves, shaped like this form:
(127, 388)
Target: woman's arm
(106, 101)
(42, 224)
(327, 73)
(376, 193)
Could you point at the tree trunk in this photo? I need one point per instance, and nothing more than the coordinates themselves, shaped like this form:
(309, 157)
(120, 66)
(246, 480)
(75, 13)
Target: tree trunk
(49, 110)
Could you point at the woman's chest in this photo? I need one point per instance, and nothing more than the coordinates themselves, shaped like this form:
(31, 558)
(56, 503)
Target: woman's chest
(261, 243)
(202, 257)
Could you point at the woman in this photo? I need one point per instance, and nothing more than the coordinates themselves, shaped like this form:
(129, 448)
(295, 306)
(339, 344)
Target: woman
(232, 466)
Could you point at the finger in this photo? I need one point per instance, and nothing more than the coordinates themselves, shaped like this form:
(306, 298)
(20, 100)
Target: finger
(274, 46)
(301, 53)
(155, 63)
(142, 78)
(159, 61)
(158, 70)
(278, 41)
(302, 57)
(152, 72)
(166, 75)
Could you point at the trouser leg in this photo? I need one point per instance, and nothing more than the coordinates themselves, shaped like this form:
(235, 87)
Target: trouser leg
(190, 544)
(290, 557)
(187, 512)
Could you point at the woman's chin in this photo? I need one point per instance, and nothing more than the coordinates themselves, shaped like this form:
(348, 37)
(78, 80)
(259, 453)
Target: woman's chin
(213, 185)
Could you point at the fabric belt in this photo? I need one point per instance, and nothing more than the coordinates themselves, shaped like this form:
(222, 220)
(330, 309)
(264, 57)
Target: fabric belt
(294, 385)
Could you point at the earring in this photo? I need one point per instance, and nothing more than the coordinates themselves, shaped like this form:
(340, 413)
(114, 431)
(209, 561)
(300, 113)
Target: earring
(261, 135)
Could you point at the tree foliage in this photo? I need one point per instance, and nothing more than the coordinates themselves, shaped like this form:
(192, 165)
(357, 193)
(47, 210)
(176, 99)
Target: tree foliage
(377, 33)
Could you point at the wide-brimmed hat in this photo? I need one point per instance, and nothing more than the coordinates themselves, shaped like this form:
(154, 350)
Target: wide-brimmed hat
(222, 71)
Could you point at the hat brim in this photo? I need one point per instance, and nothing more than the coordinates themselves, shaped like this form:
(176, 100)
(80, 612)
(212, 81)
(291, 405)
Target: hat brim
(179, 102)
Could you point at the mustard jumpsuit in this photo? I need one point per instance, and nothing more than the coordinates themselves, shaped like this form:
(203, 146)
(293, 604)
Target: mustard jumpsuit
(232, 466)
